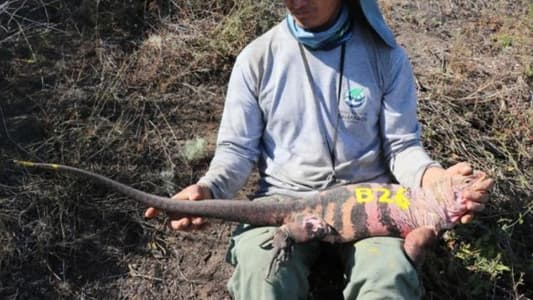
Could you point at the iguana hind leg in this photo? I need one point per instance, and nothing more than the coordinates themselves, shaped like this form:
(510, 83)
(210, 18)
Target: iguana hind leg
(304, 228)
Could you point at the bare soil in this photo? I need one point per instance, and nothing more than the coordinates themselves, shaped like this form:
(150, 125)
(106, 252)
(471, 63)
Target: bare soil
(135, 89)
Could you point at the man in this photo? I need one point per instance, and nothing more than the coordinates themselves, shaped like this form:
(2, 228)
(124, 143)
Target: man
(324, 98)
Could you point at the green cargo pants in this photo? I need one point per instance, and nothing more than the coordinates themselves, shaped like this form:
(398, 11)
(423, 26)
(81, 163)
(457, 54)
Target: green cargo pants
(375, 268)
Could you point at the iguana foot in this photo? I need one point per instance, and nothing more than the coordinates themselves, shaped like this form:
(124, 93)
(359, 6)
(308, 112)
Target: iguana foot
(303, 228)
(283, 244)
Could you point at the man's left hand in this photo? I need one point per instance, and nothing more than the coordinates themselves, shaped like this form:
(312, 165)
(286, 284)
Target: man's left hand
(477, 197)
(417, 241)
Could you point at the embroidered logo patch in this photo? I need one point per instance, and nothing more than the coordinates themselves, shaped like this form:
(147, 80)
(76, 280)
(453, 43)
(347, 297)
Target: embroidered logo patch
(355, 97)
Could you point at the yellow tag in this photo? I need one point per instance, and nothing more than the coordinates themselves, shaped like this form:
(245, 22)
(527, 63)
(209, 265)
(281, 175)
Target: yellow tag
(385, 196)
(364, 195)
(402, 201)
(24, 163)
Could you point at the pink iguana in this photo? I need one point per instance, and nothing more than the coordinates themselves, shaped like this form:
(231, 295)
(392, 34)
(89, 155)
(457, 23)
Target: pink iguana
(341, 214)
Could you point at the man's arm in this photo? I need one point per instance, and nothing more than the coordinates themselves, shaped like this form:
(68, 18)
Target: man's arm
(237, 149)
(399, 126)
(408, 160)
(239, 135)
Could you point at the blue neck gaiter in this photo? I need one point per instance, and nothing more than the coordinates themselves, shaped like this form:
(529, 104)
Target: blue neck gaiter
(338, 33)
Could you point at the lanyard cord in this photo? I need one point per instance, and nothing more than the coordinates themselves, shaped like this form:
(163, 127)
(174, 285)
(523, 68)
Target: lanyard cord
(331, 148)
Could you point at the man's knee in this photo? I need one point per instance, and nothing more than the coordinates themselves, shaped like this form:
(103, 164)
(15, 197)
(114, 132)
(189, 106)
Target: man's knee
(252, 258)
(380, 269)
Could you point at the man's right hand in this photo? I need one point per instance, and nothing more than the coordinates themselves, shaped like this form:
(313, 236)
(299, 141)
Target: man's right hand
(193, 192)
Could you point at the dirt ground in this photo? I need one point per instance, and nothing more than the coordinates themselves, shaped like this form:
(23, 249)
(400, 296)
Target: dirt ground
(135, 89)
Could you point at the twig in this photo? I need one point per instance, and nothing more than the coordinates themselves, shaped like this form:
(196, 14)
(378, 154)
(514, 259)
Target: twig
(165, 149)
(184, 161)
(8, 136)
(45, 12)
(181, 272)
(479, 90)
(135, 273)
(3, 5)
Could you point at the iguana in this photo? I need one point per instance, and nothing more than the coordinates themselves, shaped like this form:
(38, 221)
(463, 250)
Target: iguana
(337, 215)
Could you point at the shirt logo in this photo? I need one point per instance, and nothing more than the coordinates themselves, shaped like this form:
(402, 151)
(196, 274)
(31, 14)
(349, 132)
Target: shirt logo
(355, 97)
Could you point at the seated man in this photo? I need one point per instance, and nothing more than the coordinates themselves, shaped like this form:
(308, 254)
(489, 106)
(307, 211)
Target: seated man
(324, 98)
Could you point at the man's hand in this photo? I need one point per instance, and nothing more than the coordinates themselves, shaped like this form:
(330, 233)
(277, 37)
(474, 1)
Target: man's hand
(417, 241)
(193, 192)
(475, 198)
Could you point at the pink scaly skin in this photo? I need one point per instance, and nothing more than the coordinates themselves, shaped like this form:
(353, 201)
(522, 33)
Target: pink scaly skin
(451, 187)
(431, 210)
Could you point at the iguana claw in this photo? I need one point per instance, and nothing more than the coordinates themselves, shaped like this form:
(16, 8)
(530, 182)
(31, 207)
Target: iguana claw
(282, 245)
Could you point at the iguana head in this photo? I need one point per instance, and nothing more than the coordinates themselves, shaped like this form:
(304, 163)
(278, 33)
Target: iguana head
(460, 185)
(445, 200)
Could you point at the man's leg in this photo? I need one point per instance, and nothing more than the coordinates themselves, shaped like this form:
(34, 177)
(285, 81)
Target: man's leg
(252, 260)
(377, 268)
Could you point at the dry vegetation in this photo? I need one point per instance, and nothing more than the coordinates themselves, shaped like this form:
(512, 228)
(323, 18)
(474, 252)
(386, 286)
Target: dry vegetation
(134, 90)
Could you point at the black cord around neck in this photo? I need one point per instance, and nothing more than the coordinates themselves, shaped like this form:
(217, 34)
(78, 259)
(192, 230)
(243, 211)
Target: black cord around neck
(332, 148)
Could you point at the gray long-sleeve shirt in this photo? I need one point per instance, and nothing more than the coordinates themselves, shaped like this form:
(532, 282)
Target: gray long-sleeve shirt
(273, 118)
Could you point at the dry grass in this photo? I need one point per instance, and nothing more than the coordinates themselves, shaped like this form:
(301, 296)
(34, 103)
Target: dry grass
(134, 90)
(472, 63)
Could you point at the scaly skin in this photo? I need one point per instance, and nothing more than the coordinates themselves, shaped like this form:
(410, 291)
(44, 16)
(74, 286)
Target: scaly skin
(340, 214)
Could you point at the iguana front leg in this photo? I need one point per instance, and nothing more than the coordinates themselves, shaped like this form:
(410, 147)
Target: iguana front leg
(304, 228)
